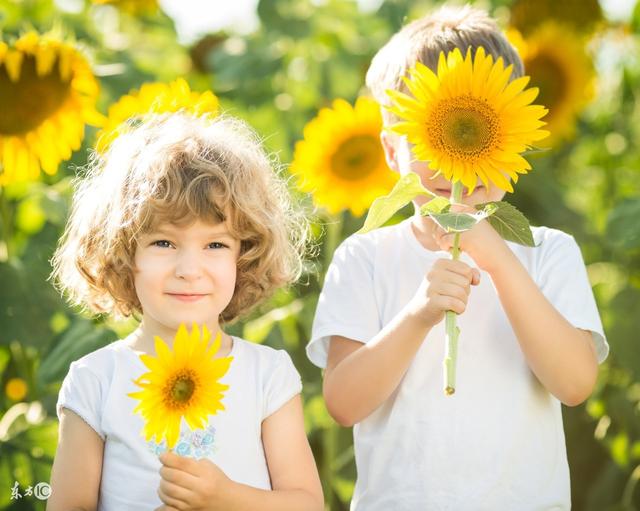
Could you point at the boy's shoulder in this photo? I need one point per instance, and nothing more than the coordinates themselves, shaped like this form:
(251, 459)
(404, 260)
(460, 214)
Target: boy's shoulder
(360, 244)
(548, 240)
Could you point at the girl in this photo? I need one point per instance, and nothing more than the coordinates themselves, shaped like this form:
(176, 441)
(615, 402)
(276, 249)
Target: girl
(182, 221)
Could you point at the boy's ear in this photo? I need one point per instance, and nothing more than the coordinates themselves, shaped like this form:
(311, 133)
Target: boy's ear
(389, 141)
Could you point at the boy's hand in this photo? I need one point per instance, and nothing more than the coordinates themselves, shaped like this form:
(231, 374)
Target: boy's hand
(446, 287)
(189, 484)
(481, 242)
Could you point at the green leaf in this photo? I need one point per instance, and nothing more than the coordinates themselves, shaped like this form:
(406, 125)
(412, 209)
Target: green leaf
(623, 228)
(509, 223)
(434, 206)
(258, 329)
(460, 222)
(406, 189)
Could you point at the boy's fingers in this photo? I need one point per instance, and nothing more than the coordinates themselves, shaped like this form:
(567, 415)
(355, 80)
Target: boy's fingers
(475, 278)
(457, 267)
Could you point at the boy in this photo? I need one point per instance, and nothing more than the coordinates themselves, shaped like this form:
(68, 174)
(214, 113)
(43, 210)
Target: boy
(531, 337)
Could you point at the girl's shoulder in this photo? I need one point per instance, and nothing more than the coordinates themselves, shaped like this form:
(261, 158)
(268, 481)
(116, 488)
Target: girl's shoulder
(261, 354)
(104, 361)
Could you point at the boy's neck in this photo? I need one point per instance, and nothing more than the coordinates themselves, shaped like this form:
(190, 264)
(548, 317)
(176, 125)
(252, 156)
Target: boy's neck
(142, 339)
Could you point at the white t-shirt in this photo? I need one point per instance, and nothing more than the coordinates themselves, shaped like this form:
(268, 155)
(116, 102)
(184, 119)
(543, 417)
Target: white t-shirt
(498, 442)
(260, 381)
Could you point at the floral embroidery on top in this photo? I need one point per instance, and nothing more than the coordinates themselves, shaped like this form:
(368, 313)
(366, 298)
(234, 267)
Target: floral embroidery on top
(194, 444)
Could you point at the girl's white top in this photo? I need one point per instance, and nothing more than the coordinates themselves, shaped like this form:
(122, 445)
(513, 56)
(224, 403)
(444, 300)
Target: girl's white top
(498, 442)
(261, 380)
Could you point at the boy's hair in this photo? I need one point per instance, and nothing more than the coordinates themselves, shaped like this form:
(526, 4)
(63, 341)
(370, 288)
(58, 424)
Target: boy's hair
(178, 168)
(422, 41)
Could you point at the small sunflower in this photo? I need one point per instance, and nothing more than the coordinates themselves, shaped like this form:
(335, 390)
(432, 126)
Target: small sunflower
(581, 16)
(467, 121)
(183, 383)
(47, 95)
(16, 389)
(341, 161)
(154, 98)
(134, 7)
(558, 64)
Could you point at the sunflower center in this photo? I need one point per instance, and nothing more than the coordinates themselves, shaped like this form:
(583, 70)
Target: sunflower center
(181, 388)
(464, 127)
(26, 103)
(547, 74)
(357, 157)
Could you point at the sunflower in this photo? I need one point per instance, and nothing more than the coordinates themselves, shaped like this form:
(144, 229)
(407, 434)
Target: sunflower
(132, 6)
(154, 98)
(47, 95)
(182, 383)
(581, 16)
(558, 64)
(341, 161)
(16, 389)
(468, 121)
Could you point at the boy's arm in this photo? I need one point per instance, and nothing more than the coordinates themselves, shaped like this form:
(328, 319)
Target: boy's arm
(77, 467)
(199, 484)
(560, 355)
(360, 377)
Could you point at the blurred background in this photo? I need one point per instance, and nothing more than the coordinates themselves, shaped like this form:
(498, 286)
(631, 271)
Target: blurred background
(69, 68)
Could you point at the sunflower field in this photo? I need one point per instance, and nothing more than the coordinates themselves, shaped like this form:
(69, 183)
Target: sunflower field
(72, 70)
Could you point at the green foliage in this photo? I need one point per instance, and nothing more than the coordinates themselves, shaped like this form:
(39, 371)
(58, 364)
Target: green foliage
(509, 223)
(304, 55)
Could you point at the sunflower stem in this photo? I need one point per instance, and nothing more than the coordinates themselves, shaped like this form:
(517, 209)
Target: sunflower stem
(6, 225)
(452, 331)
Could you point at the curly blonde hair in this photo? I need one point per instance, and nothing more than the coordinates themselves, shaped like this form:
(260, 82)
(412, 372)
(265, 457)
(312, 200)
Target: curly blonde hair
(177, 168)
(424, 39)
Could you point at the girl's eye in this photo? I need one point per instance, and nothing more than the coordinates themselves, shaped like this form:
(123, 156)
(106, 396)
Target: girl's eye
(162, 243)
(217, 244)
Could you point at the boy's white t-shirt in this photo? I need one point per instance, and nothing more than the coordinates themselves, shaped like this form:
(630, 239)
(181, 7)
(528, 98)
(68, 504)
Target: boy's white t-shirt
(498, 442)
(261, 380)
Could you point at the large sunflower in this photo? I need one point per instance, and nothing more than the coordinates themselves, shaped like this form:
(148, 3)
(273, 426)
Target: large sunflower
(182, 383)
(467, 121)
(155, 98)
(558, 64)
(341, 161)
(47, 95)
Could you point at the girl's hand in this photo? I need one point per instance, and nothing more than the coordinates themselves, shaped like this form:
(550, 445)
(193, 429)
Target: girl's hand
(189, 484)
(483, 244)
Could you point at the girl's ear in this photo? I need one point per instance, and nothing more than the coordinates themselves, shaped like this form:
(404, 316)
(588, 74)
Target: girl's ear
(389, 141)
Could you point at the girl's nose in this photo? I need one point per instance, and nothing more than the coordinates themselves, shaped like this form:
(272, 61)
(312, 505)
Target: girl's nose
(187, 266)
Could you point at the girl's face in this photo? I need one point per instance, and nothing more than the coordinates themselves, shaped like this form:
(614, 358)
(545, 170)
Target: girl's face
(185, 274)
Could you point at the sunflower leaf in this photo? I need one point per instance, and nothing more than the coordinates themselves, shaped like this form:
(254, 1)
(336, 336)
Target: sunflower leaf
(509, 223)
(406, 189)
(435, 206)
(459, 222)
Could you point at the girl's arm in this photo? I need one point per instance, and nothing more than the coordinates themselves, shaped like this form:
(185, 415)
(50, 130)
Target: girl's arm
(198, 484)
(77, 467)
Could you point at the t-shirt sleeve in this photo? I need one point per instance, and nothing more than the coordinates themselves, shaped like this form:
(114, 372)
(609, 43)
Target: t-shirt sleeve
(282, 384)
(81, 393)
(347, 304)
(563, 279)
